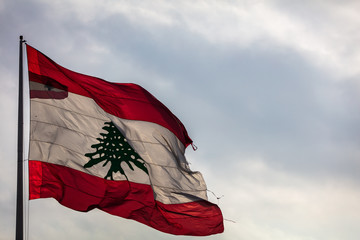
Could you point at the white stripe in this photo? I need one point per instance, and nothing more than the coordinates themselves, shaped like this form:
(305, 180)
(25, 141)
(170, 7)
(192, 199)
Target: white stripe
(63, 131)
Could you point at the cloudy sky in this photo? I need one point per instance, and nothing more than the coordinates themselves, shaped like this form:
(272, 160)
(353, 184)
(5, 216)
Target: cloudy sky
(268, 90)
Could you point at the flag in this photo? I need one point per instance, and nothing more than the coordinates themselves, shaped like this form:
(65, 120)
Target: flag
(115, 147)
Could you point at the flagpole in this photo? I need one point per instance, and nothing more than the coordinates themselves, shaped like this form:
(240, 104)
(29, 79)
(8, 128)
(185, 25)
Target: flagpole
(20, 161)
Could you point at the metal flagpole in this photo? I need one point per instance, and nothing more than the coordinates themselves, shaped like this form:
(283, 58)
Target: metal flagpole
(20, 162)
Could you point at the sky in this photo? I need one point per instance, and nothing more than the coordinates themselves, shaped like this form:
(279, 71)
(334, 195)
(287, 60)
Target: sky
(268, 90)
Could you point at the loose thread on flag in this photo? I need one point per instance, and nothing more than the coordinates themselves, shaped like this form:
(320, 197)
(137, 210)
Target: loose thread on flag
(229, 220)
(218, 201)
(218, 198)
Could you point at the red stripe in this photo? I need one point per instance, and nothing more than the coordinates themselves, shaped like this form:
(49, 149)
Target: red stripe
(125, 100)
(47, 94)
(83, 192)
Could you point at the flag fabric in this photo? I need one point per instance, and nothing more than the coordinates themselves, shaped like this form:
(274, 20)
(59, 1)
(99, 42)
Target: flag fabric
(115, 147)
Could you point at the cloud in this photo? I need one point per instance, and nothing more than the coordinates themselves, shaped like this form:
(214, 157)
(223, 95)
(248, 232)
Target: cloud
(8, 106)
(320, 32)
(253, 82)
(263, 25)
(272, 203)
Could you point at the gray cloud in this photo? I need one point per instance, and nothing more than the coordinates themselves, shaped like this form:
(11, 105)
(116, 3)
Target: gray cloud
(268, 92)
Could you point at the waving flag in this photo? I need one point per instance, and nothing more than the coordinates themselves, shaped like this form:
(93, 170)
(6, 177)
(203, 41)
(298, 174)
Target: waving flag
(115, 147)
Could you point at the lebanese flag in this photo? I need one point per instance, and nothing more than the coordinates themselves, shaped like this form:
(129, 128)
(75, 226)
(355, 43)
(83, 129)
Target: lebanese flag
(115, 147)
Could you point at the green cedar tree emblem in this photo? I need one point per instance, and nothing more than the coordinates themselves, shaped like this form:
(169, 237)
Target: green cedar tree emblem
(114, 148)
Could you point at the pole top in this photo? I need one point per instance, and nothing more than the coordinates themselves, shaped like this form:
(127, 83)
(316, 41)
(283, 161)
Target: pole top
(22, 39)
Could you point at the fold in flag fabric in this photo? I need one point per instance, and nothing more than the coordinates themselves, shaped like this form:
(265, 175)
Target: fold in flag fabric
(115, 147)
